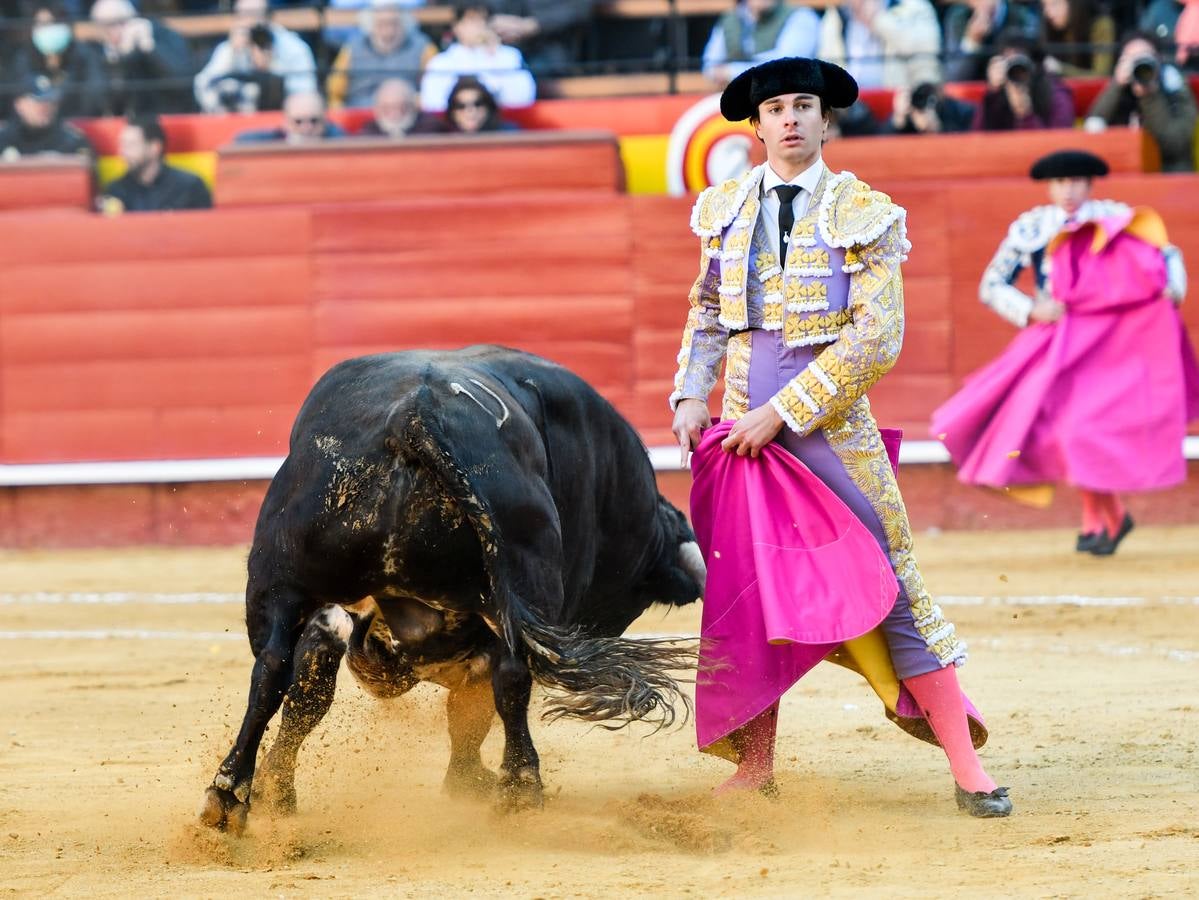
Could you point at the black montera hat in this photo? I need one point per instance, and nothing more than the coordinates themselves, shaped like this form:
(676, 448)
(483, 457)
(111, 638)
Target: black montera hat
(1068, 164)
(789, 75)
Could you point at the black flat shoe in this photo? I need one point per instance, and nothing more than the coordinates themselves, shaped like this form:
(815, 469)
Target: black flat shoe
(982, 805)
(1088, 540)
(1107, 545)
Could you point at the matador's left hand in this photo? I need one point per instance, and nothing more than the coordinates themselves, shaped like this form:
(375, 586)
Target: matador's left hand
(753, 431)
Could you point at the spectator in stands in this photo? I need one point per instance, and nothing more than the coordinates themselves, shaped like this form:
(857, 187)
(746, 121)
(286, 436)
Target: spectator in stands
(884, 43)
(972, 29)
(304, 122)
(1160, 18)
(755, 31)
(71, 67)
(1154, 94)
(548, 33)
(388, 46)
(472, 109)
(477, 51)
(397, 112)
(1078, 37)
(237, 60)
(35, 126)
(149, 184)
(1021, 93)
(927, 110)
(146, 66)
(253, 89)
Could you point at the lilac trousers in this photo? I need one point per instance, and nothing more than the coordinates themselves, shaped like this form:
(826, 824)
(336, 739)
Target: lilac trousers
(772, 365)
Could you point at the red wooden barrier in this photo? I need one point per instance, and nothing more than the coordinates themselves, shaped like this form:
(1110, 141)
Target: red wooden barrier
(366, 170)
(46, 182)
(185, 335)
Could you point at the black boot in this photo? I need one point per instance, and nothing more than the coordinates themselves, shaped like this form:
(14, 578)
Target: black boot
(1107, 546)
(982, 805)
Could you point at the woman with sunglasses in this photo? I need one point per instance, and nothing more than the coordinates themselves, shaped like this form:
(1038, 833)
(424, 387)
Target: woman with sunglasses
(472, 109)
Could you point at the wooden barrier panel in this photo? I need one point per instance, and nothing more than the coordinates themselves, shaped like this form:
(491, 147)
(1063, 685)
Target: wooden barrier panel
(46, 182)
(184, 335)
(979, 154)
(369, 170)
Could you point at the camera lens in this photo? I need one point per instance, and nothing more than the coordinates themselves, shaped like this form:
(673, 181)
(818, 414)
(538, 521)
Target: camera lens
(1144, 70)
(1019, 69)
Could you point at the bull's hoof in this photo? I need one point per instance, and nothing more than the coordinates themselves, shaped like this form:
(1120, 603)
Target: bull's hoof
(223, 811)
(469, 782)
(520, 790)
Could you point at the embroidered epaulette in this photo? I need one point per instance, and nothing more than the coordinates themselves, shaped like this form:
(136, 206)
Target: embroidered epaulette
(718, 205)
(854, 215)
(1035, 228)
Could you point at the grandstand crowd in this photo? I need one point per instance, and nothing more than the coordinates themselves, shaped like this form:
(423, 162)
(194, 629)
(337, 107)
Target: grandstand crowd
(454, 68)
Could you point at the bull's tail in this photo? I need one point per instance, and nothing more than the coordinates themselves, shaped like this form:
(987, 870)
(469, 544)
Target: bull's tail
(600, 679)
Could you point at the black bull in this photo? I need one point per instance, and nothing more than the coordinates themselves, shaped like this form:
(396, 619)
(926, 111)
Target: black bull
(489, 520)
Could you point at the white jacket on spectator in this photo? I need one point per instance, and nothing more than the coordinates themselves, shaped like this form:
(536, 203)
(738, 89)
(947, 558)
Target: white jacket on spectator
(501, 69)
(291, 58)
(906, 33)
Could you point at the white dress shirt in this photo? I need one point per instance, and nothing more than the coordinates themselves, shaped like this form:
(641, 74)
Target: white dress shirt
(806, 181)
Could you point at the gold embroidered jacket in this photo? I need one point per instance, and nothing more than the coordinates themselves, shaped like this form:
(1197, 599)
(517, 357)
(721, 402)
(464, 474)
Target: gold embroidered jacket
(841, 286)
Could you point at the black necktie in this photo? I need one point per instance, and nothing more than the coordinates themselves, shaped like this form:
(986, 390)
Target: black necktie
(786, 194)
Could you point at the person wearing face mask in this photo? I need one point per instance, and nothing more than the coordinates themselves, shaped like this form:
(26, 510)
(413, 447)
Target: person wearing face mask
(35, 126)
(795, 504)
(73, 68)
(478, 51)
(1097, 388)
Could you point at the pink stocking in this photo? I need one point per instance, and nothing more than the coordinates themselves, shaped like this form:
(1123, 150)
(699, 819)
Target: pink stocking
(1113, 513)
(755, 742)
(1092, 515)
(940, 700)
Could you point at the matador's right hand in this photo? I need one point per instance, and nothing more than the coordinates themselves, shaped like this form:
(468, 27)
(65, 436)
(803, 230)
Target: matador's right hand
(691, 419)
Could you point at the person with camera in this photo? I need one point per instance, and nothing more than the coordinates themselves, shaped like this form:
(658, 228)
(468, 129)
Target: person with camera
(242, 71)
(1153, 94)
(972, 27)
(1021, 94)
(926, 110)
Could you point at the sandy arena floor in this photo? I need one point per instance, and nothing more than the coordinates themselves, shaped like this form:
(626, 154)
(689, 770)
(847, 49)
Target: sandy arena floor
(123, 676)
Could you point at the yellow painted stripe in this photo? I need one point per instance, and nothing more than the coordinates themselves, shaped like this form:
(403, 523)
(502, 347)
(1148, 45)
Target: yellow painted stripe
(644, 158)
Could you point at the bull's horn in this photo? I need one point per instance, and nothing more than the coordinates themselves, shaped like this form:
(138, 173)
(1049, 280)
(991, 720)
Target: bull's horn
(691, 561)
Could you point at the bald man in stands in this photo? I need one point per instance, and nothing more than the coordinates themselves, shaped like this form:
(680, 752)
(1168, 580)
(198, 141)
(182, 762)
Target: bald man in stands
(304, 122)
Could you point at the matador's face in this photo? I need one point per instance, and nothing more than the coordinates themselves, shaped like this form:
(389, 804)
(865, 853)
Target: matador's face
(1069, 193)
(792, 127)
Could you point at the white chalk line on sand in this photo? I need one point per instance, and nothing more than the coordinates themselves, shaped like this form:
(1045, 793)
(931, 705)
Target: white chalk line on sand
(117, 598)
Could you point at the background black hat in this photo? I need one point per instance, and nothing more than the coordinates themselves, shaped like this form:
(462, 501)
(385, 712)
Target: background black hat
(790, 75)
(1068, 164)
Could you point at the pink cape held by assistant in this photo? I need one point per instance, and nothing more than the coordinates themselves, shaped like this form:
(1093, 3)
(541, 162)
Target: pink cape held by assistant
(792, 574)
(1099, 399)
